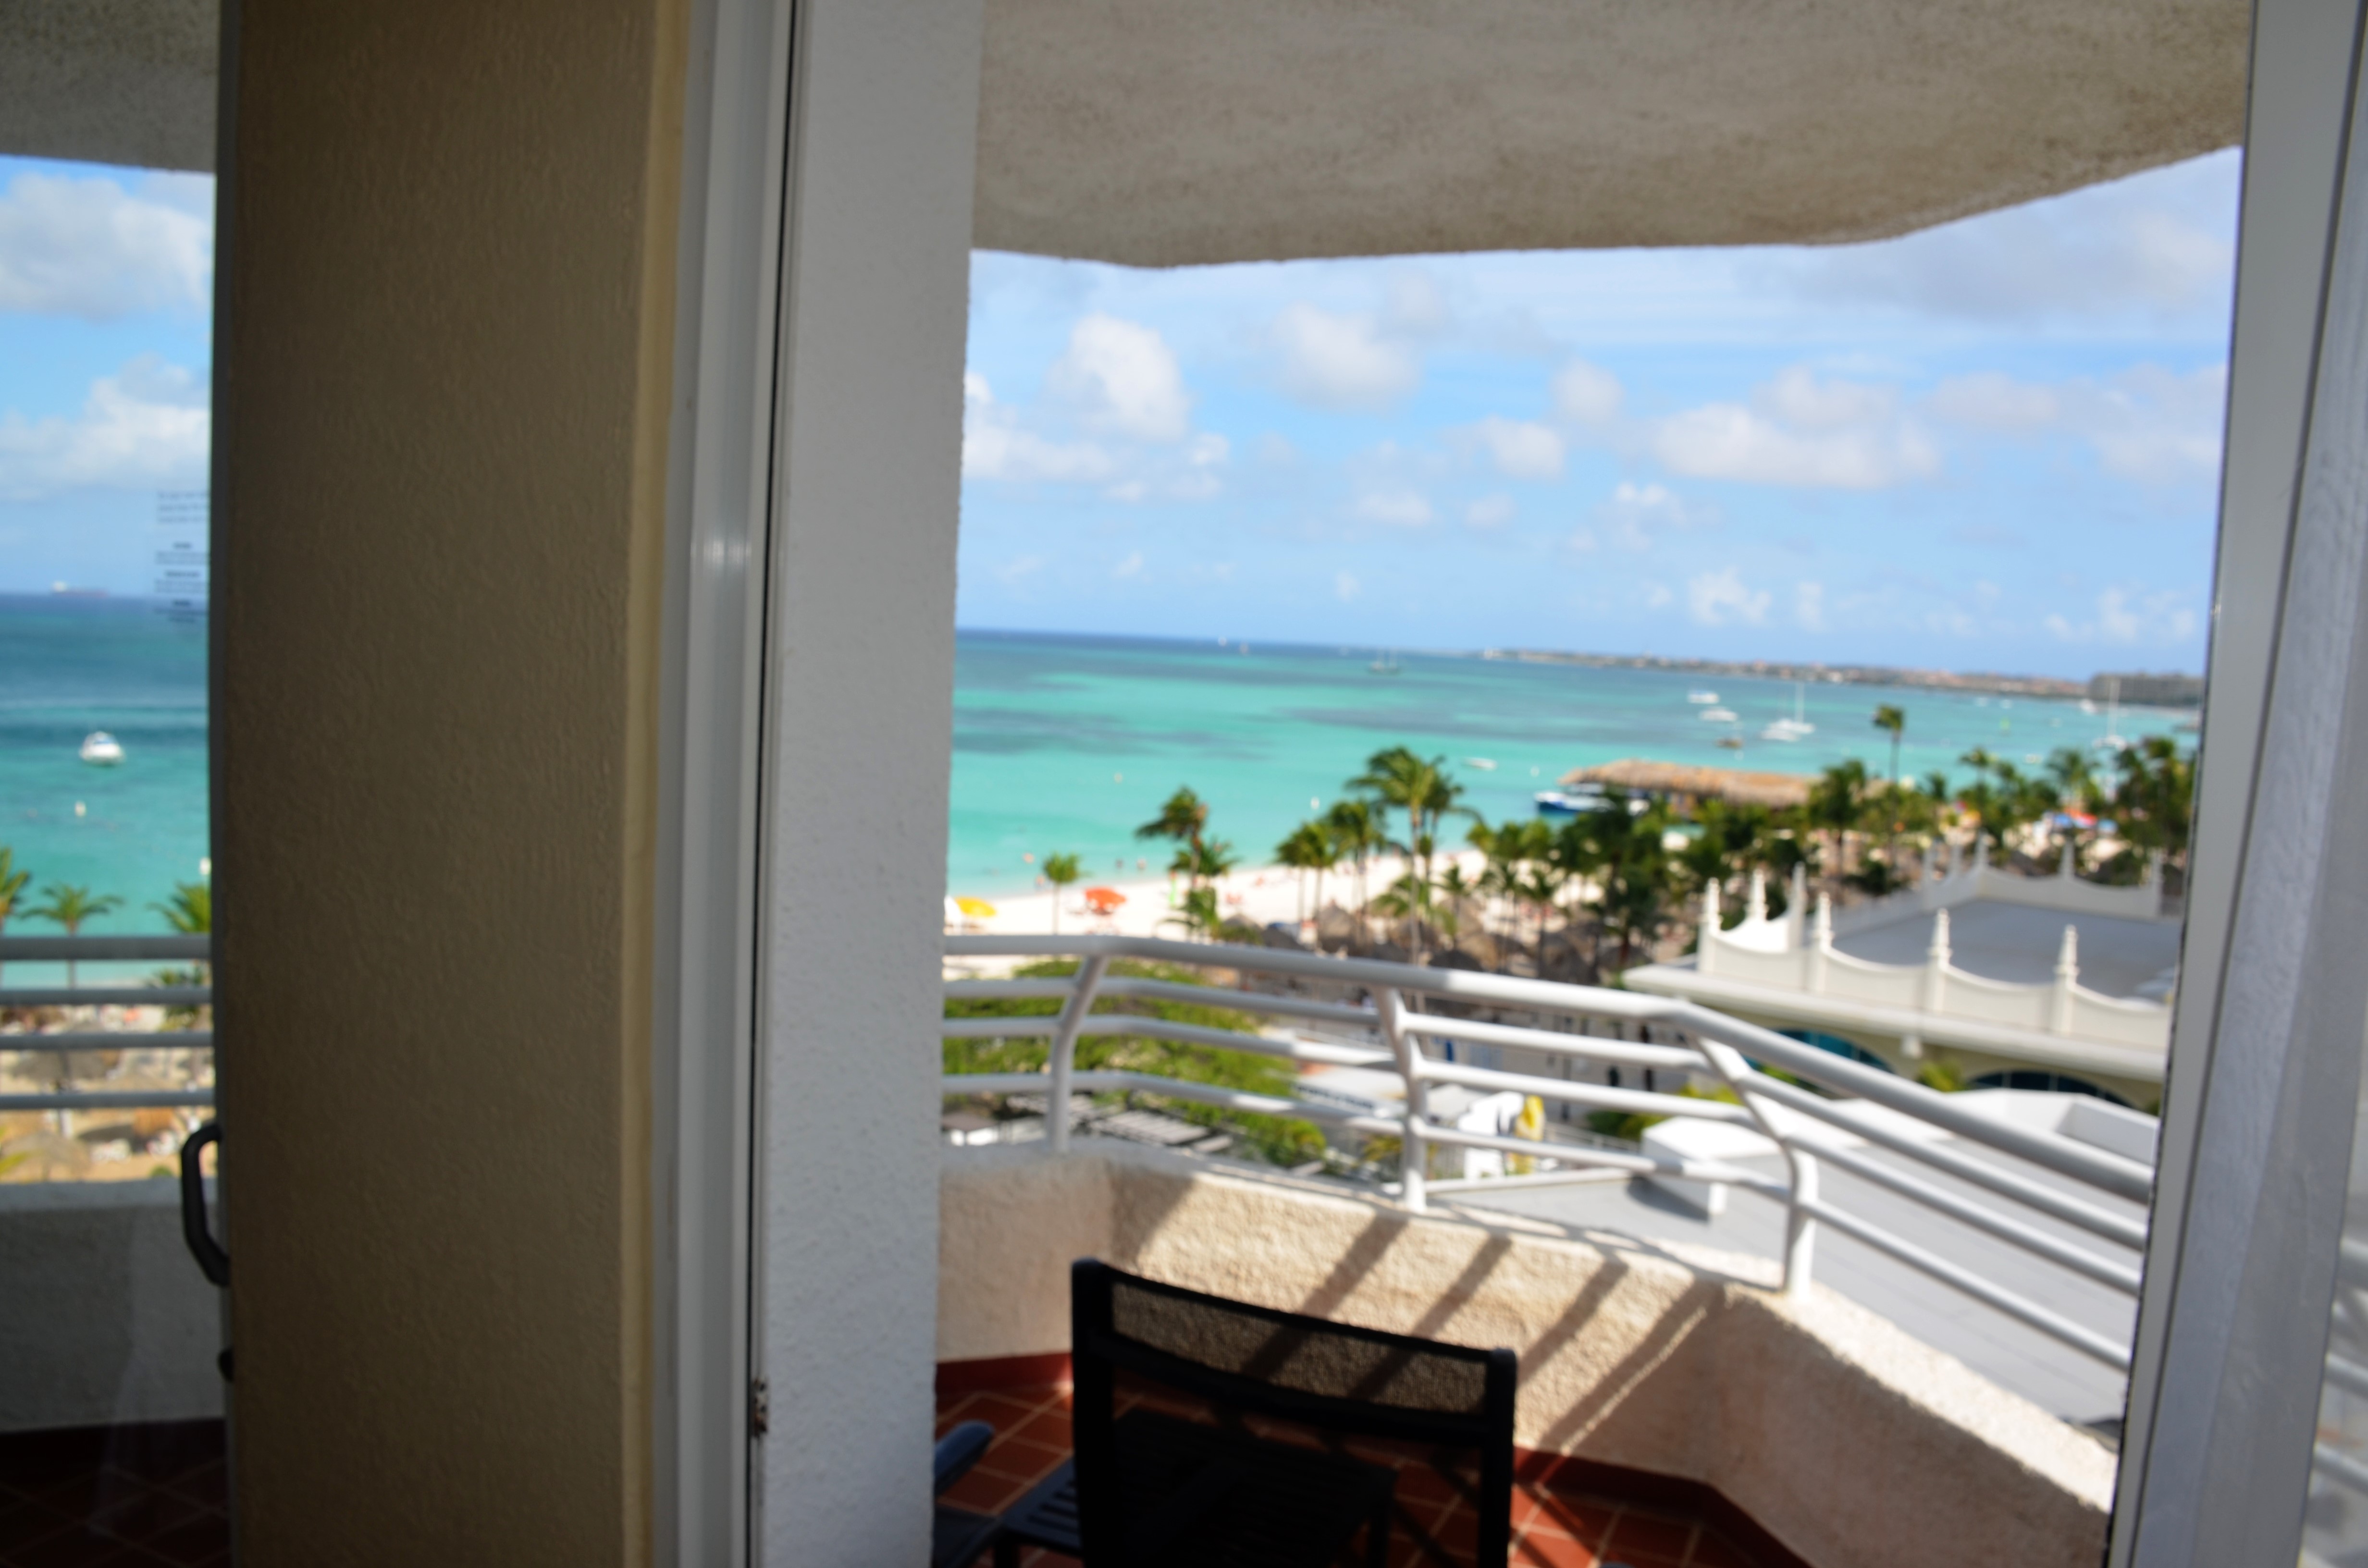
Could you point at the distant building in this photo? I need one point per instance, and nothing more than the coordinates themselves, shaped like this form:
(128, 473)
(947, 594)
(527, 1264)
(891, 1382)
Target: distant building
(2147, 690)
(2022, 982)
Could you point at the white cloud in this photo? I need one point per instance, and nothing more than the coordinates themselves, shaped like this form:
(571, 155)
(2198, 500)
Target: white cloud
(1581, 542)
(1801, 431)
(1122, 380)
(1588, 395)
(2124, 617)
(1797, 398)
(1809, 606)
(1720, 599)
(1341, 361)
(995, 447)
(1990, 401)
(1129, 567)
(1399, 507)
(147, 426)
(1634, 513)
(1414, 305)
(1489, 512)
(1520, 450)
(2161, 242)
(1347, 587)
(90, 248)
(2156, 428)
(2146, 424)
(1019, 569)
(1658, 596)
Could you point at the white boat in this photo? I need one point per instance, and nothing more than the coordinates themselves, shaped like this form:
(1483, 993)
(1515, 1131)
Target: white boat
(1798, 725)
(1718, 715)
(101, 749)
(1701, 697)
(1485, 764)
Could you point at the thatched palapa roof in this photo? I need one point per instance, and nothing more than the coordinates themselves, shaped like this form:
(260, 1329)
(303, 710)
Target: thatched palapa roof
(1677, 778)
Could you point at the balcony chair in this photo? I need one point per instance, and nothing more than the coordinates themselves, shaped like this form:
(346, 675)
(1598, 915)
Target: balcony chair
(957, 1536)
(1211, 1431)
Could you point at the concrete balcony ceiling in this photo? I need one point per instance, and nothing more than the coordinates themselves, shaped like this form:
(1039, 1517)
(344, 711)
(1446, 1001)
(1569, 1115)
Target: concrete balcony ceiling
(1158, 134)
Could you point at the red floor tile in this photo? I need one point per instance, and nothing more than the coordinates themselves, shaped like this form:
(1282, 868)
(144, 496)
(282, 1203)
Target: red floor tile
(1633, 1533)
(1547, 1550)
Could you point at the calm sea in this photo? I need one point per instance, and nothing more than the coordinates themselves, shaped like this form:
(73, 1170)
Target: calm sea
(1066, 743)
(1061, 742)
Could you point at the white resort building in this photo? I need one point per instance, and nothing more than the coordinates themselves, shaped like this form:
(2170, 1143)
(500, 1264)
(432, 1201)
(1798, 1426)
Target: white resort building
(2016, 982)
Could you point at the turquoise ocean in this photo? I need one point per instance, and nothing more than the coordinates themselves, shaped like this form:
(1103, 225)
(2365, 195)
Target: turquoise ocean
(1066, 743)
(1061, 744)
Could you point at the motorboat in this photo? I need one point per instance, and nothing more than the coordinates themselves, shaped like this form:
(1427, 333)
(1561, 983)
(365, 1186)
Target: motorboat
(1718, 715)
(1485, 764)
(101, 749)
(1699, 697)
(1581, 799)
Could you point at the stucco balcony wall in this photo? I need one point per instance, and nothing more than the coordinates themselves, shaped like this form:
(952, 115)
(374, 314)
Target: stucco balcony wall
(103, 1317)
(1856, 1445)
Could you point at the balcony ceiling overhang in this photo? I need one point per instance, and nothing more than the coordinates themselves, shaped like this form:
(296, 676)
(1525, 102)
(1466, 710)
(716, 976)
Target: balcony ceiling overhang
(1157, 133)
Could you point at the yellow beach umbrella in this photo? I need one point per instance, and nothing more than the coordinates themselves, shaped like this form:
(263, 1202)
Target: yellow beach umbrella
(976, 908)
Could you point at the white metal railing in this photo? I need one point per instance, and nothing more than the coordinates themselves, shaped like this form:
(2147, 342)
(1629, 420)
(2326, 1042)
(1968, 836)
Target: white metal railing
(1801, 1124)
(105, 949)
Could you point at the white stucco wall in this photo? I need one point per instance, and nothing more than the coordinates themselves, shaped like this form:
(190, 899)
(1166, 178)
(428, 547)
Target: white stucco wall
(883, 111)
(1853, 1443)
(104, 1316)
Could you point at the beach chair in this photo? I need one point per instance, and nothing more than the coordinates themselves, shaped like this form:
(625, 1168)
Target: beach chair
(1209, 1430)
(958, 1537)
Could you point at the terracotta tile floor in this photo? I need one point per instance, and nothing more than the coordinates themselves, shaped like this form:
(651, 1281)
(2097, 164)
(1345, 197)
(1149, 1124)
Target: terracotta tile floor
(131, 1497)
(1552, 1528)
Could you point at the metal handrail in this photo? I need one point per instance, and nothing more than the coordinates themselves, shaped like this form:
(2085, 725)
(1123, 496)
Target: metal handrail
(107, 950)
(1713, 1045)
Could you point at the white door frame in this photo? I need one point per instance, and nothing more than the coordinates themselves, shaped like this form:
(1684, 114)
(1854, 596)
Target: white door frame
(2267, 1043)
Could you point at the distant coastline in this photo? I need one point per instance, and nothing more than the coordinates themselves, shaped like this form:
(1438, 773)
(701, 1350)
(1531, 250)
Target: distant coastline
(1985, 682)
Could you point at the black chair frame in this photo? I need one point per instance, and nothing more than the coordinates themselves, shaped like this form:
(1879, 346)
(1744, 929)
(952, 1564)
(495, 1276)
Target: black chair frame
(1098, 1352)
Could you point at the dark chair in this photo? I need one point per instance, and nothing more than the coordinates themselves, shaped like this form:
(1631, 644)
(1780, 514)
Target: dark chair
(1211, 1431)
(957, 1536)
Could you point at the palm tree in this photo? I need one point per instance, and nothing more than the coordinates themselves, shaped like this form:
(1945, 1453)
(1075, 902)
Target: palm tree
(1184, 817)
(1836, 803)
(1356, 830)
(69, 906)
(1198, 914)
(12, 884)
(1416, 786)
(1309, 848)
(1060, 871)
(1509, 848)
(1622, 851)
(1892, 718)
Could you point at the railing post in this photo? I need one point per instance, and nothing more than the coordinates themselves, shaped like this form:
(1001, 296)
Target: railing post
(1705, 958)
(2067, 975)
(1821, 943)
(1065, 1053)
(1936, 965)
(1414, 1150)
(1800, 1227)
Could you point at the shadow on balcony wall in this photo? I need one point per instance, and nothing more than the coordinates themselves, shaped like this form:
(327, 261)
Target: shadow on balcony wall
(1848, 1441)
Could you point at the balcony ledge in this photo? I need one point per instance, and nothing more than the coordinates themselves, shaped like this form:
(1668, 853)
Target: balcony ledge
(1845, 1438)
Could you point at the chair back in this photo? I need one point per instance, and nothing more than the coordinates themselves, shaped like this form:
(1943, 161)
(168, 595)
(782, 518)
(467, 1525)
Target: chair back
(1439, 1416)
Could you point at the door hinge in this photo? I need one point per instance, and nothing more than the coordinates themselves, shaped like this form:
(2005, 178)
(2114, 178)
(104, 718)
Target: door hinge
(760, 1407)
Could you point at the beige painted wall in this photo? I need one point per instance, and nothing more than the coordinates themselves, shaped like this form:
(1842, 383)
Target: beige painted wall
(450, 241)
(1856, 1445)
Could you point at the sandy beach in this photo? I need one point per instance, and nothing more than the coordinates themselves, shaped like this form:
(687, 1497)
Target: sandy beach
(1259, 895)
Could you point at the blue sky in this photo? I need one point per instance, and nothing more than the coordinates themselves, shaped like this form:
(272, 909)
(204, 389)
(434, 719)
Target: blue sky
(1993, 445)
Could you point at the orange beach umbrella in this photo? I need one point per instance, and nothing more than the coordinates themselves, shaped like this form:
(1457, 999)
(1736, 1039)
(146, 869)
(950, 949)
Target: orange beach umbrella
(1104, 901)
